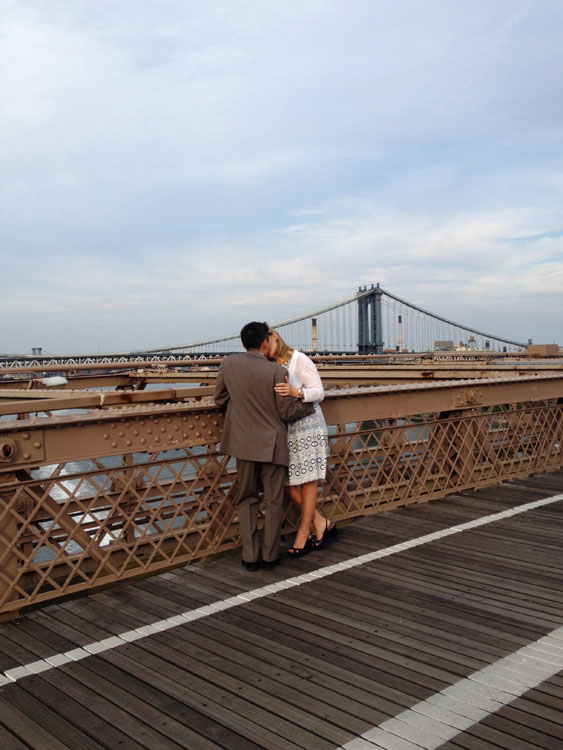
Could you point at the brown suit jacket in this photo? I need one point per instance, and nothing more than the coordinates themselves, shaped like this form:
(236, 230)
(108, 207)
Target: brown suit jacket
(255, 422)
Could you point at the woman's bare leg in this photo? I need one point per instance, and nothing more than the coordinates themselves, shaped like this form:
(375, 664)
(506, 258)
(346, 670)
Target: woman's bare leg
(295, 494)
(305, 496)
(320, 522)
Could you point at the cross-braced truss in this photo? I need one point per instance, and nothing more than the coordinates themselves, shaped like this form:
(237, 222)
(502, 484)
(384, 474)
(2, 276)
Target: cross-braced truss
(101, 495)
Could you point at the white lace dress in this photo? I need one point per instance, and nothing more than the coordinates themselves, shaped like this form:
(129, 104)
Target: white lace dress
(307, 438)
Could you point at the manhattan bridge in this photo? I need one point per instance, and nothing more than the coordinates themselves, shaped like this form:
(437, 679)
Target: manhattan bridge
(372, 321)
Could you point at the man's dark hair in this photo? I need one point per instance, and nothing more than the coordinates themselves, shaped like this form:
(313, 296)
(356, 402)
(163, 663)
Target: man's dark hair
(254, 334)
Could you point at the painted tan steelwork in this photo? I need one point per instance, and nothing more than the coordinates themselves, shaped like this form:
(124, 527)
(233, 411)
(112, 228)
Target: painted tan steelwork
(337, 372)
(97, 488)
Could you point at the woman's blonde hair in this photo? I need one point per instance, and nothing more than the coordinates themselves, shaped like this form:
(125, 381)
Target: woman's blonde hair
(282, 349)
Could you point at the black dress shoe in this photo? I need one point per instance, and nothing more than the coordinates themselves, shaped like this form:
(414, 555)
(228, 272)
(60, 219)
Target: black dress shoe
(270, 564)
(251, 565)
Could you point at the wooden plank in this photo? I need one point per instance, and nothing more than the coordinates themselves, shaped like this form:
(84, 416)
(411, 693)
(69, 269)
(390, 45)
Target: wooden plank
(503, 606)
(114, 707)
(388, 625)
(294, 667)
(461, 615)
(540, 598)
(91, 713)
(146, 702)
(259, 729)
(40, 641)
(21, 647)
(499, 739)
(48, 717)
(14, 724)
(260, 705)
(391, 611)
(319, 668)
(542, 710)
(344, 651)
(78, 614)
(412, 663)
(283, 694)
(515, 721)
(223, 587)
(157, 607)
(552, 702)
(550, 482)
(436, 647)
(350, 669)
(478, 570)
(124, 617)
(472, 550)
(468, 742)
(184, 597)
(310, 666)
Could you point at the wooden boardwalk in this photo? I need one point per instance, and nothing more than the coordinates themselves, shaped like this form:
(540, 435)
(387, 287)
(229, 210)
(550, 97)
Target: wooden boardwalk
(313, 663)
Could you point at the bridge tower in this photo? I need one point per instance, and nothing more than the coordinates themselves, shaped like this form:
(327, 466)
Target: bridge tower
(370, 320)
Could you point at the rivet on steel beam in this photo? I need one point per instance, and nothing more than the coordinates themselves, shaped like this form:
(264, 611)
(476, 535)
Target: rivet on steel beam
(106, 436)
(26, 456)
(26, 436)
(163, 429)
(120, 434)
(198, 434)
(143, 441)
(157, 439)
(149, 431)
(114, 445)
(127, 442)
(142, 422)
(135, 432)
(176, 427)
(37, 444)
(191, 425)
(204, 424)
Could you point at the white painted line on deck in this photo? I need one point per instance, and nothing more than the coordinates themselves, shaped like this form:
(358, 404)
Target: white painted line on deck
(441, 717)
(145, 631)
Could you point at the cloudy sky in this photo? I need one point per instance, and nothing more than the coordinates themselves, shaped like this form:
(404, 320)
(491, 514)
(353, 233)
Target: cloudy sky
(170, 169)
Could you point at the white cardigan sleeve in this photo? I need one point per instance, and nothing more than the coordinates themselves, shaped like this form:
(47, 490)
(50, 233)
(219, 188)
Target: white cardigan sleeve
(303, 374)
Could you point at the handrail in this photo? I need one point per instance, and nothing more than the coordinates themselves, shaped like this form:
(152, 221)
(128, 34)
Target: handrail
(112, 492)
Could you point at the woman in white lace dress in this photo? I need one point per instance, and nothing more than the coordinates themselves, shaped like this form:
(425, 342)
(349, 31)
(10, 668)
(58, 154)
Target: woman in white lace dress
(308, 447)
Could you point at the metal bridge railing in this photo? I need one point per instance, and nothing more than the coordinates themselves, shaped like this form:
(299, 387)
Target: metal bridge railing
(107, 494)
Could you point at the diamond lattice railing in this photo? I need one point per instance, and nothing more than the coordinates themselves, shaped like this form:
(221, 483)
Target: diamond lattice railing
(94, 518)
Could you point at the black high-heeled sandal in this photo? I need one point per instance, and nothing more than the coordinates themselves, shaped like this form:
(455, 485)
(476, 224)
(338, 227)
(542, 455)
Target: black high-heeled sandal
(330, 535)
(300, 551)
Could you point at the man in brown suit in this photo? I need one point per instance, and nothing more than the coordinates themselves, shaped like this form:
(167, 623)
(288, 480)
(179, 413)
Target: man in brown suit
(255, 433)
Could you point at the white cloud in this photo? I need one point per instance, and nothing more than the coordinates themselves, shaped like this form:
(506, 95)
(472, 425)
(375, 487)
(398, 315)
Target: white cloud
(171, 169)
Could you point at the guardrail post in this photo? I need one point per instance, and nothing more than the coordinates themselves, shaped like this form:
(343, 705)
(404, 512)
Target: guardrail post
(8, 556)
